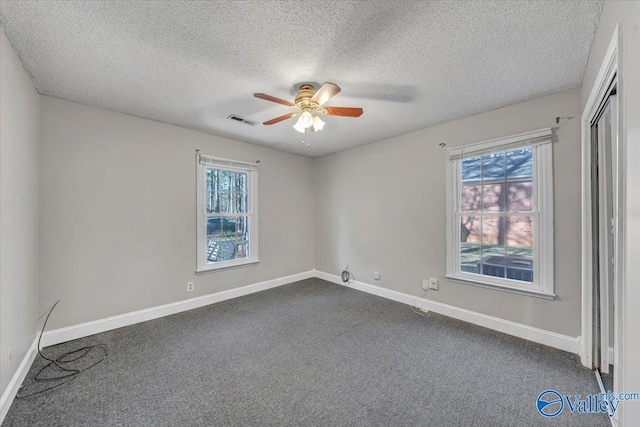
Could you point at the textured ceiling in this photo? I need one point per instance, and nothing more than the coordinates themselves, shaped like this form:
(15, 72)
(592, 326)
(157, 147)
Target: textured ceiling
(409, 64)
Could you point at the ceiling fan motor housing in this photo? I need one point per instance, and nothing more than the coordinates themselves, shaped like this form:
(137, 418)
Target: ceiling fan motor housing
(303, 98)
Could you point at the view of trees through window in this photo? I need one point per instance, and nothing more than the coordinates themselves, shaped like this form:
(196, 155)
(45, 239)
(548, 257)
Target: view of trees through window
(496, 215)
(227, 208)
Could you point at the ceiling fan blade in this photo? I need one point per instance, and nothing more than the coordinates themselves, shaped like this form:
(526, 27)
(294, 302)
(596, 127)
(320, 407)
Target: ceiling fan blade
(325, 93)
(342, 111)
(279, 119)
(274, 99)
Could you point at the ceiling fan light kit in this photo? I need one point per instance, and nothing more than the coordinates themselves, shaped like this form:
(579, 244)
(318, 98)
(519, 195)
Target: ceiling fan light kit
(307, 102)
(304, 122)
(309, 121)
(318, 124)
(300, 127)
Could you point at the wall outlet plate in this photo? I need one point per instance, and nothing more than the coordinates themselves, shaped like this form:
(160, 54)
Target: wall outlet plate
(190, 286)
(376, 275)
(433, 283)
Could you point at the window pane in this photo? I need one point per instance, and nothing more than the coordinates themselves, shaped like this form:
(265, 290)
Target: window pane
(493, 198)
(493, 261)
(225, 179)
(224, 202)
(470, 254)
(226, 191)
(520, 163)
(471, 195)
(493, 251)
(520, 197)
(240, 202)
(493, 166)
(213, 190)
(227, 238)
(470, 229)
(520, 231)
(493, 228)
(520, 264)
(471, 169)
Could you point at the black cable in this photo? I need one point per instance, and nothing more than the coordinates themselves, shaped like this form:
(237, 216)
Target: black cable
(70, 374)
(347, 276)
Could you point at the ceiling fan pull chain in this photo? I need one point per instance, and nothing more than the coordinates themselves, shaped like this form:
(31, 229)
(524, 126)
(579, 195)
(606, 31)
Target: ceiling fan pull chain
(303, 141)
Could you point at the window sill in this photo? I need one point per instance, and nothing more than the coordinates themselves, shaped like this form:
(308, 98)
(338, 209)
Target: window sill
(225, 266)
(488, 285)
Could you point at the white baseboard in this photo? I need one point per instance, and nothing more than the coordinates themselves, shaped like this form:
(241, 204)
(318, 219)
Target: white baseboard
(57, 336)
(14, 385)
(541, 336)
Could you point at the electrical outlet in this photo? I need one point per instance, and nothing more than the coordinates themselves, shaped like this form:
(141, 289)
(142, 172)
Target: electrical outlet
(425, 284)
(190, 286)
(376, 275)
(9, 356)
(433, 283)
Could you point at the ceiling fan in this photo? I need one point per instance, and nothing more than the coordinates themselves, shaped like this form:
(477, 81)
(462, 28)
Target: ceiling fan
(308, 103)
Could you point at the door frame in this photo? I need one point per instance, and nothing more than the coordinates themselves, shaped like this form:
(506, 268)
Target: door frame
(606, 209)
(610, 74)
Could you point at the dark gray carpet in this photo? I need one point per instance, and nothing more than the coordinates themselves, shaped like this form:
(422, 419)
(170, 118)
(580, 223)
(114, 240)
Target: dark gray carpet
(309, 354)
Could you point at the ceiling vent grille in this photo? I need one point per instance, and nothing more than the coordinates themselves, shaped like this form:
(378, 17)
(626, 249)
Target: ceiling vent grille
(242, 120)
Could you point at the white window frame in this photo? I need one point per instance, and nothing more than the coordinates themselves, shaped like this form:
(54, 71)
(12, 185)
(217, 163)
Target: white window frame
(542, 213)
(251, 169)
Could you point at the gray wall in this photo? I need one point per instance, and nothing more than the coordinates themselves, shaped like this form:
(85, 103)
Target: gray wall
(628, 13)
(382, 207)
(19, 111)
(117, 222)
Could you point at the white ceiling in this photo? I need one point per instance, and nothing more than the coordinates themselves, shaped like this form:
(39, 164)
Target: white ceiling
(409, 64)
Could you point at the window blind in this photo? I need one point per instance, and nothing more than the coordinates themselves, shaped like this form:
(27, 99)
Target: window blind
(527, 139)
(218, 161)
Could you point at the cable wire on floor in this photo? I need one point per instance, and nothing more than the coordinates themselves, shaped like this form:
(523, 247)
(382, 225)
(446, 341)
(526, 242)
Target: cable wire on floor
(418, 310)
(62, 364)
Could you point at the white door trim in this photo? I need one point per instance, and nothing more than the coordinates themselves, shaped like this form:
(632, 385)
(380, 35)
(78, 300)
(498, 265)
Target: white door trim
(610, 73)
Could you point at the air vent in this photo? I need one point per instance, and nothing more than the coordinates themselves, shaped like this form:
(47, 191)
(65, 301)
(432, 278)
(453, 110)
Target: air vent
(242, 120)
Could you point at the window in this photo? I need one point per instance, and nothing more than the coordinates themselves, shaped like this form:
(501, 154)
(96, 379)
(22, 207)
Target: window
(227, 213)
(500, 213)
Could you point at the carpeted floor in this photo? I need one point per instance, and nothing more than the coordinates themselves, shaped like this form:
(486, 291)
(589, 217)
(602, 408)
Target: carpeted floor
(310, 353)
